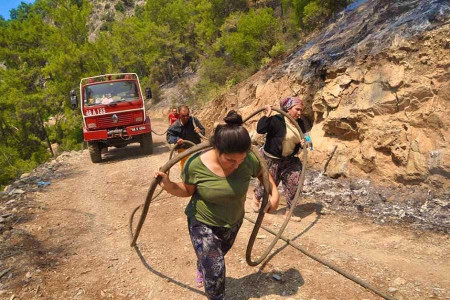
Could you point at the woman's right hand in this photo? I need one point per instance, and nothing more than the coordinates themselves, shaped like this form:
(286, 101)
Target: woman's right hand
(164, 178)
(268, 110)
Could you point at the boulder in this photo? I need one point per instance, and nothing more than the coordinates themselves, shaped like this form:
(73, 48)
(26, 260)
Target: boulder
(338, 166)
(376, 98)
(439, 162)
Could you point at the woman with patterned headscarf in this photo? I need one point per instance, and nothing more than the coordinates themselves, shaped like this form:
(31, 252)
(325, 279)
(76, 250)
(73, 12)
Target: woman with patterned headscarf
(280, 150)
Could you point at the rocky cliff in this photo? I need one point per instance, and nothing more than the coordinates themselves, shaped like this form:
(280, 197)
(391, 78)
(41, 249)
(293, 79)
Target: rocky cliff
(376, 84)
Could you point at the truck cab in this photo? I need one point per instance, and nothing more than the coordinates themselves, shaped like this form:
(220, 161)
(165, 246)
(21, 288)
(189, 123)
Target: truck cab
(113, 110)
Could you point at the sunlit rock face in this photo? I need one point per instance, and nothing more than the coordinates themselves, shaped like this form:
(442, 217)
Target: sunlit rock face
(376, 83)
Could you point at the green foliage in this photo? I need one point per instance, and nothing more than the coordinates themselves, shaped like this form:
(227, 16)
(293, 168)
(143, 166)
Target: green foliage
(107, 26)
(311, 14)
(248, 38)
(215, 70)
(12, 165)
(277, 50)
(45, 50)
(21, 12)
(109, 17)
(314, 14)
(128, 3)
(156, 92)
(138, 11)
(119, 7)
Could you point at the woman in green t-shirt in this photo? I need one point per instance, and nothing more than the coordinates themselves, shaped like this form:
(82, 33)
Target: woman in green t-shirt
(217, 181)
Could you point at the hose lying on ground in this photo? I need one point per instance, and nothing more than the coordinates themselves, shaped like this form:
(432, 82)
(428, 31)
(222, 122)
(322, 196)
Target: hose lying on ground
(159, 133)
(326, 263)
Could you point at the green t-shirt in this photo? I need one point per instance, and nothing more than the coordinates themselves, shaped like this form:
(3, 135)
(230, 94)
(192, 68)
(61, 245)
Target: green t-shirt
(218, 201)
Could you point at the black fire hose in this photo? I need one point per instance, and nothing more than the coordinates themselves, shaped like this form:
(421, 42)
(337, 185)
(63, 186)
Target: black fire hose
(160, 134)
(261, 210)
(130, 221)
(266, 185)
(326, 263)
(206, 145)
(200, 147)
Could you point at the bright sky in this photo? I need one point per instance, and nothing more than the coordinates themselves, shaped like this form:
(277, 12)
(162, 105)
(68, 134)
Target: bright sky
(7, 5)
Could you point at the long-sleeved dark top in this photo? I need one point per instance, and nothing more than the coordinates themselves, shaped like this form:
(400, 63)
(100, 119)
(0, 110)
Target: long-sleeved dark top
(186, 132)
(275, 127)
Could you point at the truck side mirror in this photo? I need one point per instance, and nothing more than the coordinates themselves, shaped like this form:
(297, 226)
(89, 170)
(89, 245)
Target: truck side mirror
(148, 93)
(73, 99)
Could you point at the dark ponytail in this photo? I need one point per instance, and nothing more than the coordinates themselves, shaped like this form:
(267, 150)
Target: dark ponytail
(231, 137)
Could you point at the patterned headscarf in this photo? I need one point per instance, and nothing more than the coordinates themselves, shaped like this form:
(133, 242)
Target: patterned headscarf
(288, 102)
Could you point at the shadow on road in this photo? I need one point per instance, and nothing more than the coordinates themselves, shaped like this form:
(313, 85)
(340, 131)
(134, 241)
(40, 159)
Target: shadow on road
(302, 211)
(260, 284)
(132, 151)
(169, 279)
(255, 285)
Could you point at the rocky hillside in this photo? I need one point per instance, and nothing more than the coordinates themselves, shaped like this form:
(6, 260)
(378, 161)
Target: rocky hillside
(104, 11)
(376, 84)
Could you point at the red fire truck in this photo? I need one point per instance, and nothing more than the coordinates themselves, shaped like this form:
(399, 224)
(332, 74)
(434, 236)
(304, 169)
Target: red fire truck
(113, 112)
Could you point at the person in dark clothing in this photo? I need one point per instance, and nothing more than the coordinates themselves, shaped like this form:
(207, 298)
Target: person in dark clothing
(185, 128)
(283, 143)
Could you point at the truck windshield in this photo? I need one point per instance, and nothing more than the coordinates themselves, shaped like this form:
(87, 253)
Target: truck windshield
(110, 92)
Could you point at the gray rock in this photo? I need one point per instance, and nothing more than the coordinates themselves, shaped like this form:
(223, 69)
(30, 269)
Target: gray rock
(24, 175)
(392, 290)
(276, 277)
(17, 192)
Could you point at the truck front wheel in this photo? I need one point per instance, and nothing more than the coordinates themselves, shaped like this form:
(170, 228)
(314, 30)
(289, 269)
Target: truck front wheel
(147, 143)
(95, 152)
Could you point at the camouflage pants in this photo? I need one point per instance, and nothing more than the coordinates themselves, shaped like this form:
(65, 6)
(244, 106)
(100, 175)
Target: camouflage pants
(287, 170)
(211, 244)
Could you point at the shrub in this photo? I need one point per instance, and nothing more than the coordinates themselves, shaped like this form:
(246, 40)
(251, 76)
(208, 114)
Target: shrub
(247, 38)
(109, 17)
(156, 92)
(265, 61)
(138, 11)
(107, 26)
(119, 7)
(314, 15)
(11, 165)
(277, 50)
(128, 3)
(215, 70)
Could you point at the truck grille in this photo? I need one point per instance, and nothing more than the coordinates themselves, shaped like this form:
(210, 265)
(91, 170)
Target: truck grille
(107, 121)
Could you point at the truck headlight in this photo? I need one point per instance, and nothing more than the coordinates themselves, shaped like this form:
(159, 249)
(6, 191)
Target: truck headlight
(138, 117)
(91, 124)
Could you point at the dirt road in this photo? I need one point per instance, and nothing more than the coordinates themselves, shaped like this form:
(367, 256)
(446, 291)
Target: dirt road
(72, 242)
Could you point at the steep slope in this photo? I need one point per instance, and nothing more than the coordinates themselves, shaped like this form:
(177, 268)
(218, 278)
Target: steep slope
(104, 11)
(375, 83)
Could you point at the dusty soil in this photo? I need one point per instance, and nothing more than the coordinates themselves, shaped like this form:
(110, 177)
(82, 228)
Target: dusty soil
(71, 241)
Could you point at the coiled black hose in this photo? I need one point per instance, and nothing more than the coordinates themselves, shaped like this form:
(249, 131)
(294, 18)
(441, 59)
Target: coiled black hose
(266, 185)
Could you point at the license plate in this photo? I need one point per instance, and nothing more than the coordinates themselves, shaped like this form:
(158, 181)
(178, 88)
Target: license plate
(138, 128)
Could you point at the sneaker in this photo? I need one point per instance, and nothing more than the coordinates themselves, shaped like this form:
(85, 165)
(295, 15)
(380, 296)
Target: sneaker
(199, 279)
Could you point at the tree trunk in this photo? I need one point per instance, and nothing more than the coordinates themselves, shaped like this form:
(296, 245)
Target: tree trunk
(45, 134)
(5, 140)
